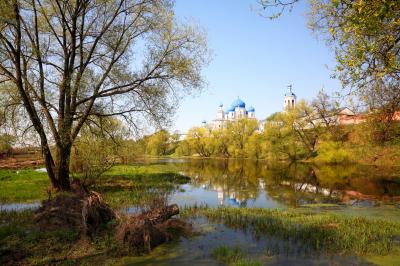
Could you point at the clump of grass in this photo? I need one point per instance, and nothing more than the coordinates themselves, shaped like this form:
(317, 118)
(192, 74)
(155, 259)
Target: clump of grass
(232, 256)
(321, 232)
(21, 240)
(22, 243)
(227, 255)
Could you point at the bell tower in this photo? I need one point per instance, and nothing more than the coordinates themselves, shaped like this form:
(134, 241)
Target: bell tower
(290, 99)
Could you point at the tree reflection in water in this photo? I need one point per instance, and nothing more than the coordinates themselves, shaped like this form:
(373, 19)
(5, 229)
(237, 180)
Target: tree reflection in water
(239, 182)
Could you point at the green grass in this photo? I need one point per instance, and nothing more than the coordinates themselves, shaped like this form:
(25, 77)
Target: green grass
(322, 232)
(232, 256)
(146, 186)
(22, 185)
(121, 186)
(21, 240)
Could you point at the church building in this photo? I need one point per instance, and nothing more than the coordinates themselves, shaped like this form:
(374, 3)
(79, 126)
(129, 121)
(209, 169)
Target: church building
(290, 99)
(236, 111)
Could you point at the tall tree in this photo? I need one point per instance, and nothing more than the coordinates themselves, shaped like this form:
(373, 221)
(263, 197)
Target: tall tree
(366, 39)
(365, 36)
(71, 61)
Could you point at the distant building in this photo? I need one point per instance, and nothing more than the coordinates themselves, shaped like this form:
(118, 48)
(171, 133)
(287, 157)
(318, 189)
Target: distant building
(236, 111)
(290, 99)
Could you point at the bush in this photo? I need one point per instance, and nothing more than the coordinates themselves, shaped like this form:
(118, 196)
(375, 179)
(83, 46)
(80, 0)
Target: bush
(91, 156)
(332, 152)
(6, 142)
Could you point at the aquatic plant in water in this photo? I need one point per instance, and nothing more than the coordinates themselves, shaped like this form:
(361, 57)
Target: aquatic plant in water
(322, 232)
(232, 256)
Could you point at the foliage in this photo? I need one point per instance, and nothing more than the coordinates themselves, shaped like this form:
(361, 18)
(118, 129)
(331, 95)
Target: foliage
(183, 149)
(67, 61)
(161, 143)
(201, 141)
(273, 9)
(97, 149)
(366, 39)
(332, 152)
(158, 143)
(383, 100)
(237, 139)
(6, 143)
(365, 36)
(281, 137)
(239, 134)
(129, 150)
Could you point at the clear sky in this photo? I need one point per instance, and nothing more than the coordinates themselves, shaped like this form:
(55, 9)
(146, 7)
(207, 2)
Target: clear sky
(254, 58)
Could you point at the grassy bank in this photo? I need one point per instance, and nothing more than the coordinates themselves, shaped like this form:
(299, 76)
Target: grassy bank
(141, 186)
(377, 240)
(121, 185)
(22, 243)
(23, 185)
(321, 232)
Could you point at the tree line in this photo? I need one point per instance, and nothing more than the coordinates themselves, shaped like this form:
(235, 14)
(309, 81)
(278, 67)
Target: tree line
(63, 68)
(311, 130)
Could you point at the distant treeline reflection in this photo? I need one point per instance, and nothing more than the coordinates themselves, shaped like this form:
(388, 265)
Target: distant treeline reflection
(296, 183)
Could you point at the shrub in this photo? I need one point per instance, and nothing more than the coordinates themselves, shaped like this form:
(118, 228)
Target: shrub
(6, 142)
(92, 156)
(332, 152)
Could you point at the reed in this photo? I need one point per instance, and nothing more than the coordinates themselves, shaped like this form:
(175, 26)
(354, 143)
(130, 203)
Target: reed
(322, 232)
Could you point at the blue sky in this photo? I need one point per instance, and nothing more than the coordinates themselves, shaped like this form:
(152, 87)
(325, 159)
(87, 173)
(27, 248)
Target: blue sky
(254, 58)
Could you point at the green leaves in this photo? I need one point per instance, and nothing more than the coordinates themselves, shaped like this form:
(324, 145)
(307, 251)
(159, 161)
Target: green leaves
(365, 36)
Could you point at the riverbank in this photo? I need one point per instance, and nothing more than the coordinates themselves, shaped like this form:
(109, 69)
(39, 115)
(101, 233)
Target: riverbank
(292, 233)
(279, 214)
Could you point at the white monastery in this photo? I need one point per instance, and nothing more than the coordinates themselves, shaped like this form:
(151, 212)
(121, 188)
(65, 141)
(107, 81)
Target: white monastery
(236, 111)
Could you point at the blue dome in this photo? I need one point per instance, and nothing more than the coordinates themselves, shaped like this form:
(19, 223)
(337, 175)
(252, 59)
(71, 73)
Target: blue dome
(239, 103)
(231, 109)
(251, 109)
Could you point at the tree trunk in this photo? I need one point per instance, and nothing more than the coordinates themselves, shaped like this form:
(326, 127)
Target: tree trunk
(62, 171)
(49, 162)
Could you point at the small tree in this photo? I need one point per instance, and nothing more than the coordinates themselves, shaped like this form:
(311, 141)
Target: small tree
(96, 149)
(239, 133)
(201, 141)
(383, 101)
(158, 143)
(281, 138)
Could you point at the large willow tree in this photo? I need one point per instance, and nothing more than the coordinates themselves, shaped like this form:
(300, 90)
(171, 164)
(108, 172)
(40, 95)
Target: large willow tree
(72, 62)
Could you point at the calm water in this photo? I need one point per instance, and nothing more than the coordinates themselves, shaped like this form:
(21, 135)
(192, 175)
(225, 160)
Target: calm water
(349, 190)
(259, 184)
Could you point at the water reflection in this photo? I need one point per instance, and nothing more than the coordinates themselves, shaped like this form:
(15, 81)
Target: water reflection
(19, 206)
(261, 184)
